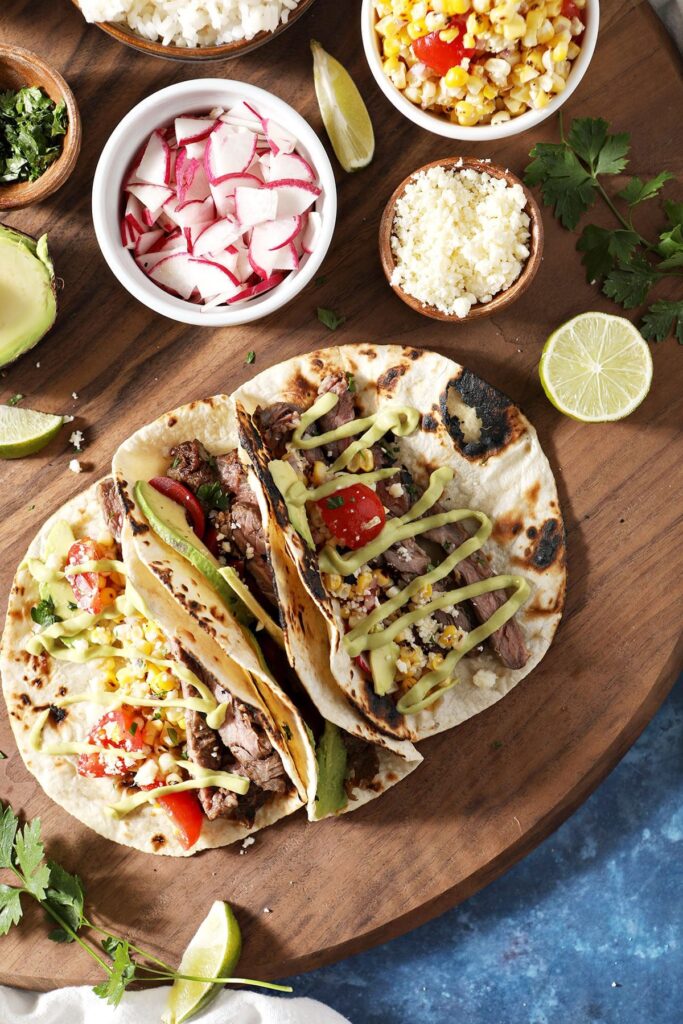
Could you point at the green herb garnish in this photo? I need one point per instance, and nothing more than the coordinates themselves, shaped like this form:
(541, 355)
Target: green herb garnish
(213, 496)
(329, 318)
(62, 896)
(172, 735)
(44, 612)
(31, 131)
(334, 501)
(15, 399)
(351, 382)
(133, 728)
(627, 264)
(251, 356)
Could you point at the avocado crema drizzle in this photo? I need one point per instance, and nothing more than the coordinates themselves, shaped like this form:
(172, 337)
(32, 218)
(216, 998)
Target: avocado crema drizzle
(370, 635)
(61, 641)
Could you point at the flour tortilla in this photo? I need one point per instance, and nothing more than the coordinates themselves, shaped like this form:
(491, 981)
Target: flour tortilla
(30, 684)
(145, 455)
(500, 469)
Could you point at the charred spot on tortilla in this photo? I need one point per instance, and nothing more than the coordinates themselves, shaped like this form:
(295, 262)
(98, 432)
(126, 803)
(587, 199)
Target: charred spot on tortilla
(429, 423)
(481, 419)
(369, 353)
(549, 546)
(62, 691)
(24, 699)
(318, 363)
(172, 420)
(388, 380)
(312, 576)
(57, 714)
(382, 708)
(414, 353)
(37, 682)
(158, 840)
(532, 533)
(506, 528)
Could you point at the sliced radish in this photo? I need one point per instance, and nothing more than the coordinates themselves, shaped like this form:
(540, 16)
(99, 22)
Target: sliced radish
(145, 242)
(211, 278)
(279, 139)
(135, 213)
(224, 193)
(286, 258)
(152, 197)
(283, 166)
(150, 260)
(196, 150)
(311, 232)
(283, 231)
(293, 196)
(193, 129)
(257, 289)
(229, 261)
(175, 273)
(175, 242)
(155, 166)
(229, 150)
(191, 180)
(255, 205)
(216, 237)
(198, 211)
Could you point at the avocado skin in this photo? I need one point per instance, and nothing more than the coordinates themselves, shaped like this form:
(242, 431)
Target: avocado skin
(168, 521)
(13, 345)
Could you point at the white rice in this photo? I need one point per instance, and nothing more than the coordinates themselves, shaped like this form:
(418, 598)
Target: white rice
(192, 22)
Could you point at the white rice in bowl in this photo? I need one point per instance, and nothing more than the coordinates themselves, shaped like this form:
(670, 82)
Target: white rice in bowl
(192, 22)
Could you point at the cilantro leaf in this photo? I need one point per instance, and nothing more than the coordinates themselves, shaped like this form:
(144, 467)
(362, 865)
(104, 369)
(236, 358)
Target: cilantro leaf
(65, 895)
(671, 248)
(638, 191)
(659, 320)
(629, 283)
(565, 183)
(44, 612)
(122, 973)
(330, 319)
(9, 824)
(604, 153)
(603, 249)
(31, 130)
(334, 501)
(15, 399)
(350, 381)
(674, 212)
(10, 907)
(29, 852)
(251, 356)
(213, 496)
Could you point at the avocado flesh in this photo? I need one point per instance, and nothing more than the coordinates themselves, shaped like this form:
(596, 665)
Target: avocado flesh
(331, 756)
(167, 518)
(28, 307)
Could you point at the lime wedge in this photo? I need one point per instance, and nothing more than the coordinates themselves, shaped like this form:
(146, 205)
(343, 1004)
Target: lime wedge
(596, 367)
(23, 431)
(344, 114)
(213, 952)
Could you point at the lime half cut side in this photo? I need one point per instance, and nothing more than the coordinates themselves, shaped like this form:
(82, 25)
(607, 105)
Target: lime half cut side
(596, 367)
(343, 111)
(213, 952)
(24, 431)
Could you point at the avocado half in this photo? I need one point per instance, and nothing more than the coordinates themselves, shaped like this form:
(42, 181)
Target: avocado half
(28, 296)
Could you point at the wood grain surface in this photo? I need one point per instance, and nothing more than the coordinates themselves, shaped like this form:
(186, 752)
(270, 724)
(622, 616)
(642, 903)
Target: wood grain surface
(491, 790)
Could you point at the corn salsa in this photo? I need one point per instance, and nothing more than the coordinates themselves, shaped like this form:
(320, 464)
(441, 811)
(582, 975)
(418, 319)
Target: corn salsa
(478, 61)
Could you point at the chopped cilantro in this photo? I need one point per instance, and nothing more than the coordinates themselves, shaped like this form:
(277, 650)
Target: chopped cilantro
(213, 496)
(351, 382)
(3, 756)
(330, 319)
(44, 612)
(73, 606)
(335, 501)
(318, 281)
(251, 356)
(31, 129)
(133, 728)
(172, 735)
(15, 399)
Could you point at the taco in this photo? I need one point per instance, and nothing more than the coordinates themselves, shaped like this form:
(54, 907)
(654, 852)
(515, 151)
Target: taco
(195, 520)
(422, 516)
(129, 720)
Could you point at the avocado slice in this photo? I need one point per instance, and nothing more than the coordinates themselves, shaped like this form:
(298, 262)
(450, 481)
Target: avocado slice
(28, 304)
(285, 479)
(332, 757)
(167, 519)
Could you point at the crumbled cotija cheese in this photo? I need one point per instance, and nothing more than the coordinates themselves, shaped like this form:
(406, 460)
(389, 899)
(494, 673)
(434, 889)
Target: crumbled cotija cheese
(458, 237)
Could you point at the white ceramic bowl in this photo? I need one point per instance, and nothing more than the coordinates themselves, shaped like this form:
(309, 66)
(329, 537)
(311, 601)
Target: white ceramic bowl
(477, 133)
(158, 110)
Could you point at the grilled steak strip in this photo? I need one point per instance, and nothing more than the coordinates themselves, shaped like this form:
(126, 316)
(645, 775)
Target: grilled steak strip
(362, 763)
(192, 465)
(342, 413)
(276, 424)
(112, 509)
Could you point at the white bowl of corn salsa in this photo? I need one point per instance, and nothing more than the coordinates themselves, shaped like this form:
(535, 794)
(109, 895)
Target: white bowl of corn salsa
(479, 69)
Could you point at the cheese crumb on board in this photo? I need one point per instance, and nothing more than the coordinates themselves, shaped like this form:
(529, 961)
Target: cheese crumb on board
(458, 237)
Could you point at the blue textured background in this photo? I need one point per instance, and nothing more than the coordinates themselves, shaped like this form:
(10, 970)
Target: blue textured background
(586, 930)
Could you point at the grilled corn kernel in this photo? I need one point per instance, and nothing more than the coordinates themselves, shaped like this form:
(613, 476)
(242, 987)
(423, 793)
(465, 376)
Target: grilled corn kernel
(435, 660)
(319, 470)
(573, 51)
(560, 52)
(424, 594)
(545, 32)
(400, 8)
(478, 24)
(468, 41)
(381, 578)
(363, 582)
(456, 78)
(435, 21)
(150, 733)
(456, 6)
(391, 65)
(523, 73)
(514, 28)
(541, 100)
(500, 117)
(333, 580)
(388, 27)
(481, 6)
(490, 92)
(417, 28)
(392, 48)
(362, 460)
(448, 637)
(449, 35)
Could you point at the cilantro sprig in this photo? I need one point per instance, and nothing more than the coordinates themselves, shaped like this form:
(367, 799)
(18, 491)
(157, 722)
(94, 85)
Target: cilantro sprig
(31, 129)
(62, 896)
(622, 260)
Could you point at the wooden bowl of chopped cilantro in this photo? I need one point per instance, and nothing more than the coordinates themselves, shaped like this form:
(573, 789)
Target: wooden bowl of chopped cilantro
(40, 129)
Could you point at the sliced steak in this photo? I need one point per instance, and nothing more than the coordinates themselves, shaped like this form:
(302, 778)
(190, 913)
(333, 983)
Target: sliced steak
(362, 763)
(232, 477)
(244, 734)
(192, 465)
(111, 506)
(407, 558)
(507, 642)
(246, 531)
(276, 424)
(342, 413)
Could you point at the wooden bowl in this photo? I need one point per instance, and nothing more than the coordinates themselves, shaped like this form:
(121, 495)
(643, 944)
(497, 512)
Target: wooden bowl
(502, 299)
(223, 51)
(18, 68)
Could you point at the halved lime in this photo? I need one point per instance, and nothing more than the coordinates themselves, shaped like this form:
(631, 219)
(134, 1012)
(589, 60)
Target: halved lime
(24, 431)
(596, 367)
(344, 113)
(213, 952)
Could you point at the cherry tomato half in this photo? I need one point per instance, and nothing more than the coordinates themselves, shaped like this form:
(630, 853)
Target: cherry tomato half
(354, 515)
(570, 10)
(441, 56)
(87, 586)
(185, 811)
(120, 729)
(182, 495)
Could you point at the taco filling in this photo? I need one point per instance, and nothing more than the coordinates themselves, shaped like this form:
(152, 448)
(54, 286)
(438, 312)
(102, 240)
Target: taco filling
(409, 576)
(166, 730)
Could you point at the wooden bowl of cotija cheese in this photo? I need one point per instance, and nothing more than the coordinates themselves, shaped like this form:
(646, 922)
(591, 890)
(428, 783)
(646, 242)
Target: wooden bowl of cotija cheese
(460, 238)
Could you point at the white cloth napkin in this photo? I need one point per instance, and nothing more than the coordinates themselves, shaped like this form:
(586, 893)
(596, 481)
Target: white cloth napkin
(82, 1006)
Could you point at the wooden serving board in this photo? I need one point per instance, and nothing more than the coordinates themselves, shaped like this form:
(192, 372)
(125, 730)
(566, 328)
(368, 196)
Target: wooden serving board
(491, 790)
